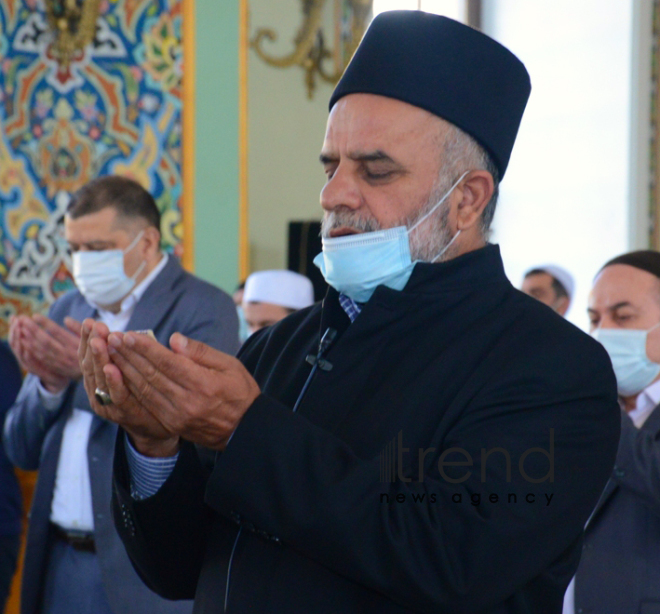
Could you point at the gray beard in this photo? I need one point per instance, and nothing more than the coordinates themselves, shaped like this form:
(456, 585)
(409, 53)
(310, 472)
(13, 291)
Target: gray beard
(427, 241)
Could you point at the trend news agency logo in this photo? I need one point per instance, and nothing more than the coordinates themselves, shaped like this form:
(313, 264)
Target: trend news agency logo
(392, 470)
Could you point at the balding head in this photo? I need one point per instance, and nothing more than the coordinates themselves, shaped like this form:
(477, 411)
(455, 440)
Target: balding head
(624, 296)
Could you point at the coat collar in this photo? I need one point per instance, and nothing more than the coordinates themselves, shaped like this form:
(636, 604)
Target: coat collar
(456, 278)
(481, 266)
(451, 280)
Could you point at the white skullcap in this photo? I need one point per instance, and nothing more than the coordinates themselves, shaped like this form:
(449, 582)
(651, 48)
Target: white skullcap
(561, 275)
(284, 288)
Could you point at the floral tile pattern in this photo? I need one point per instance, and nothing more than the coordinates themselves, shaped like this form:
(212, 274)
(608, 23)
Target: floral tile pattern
(116, 109)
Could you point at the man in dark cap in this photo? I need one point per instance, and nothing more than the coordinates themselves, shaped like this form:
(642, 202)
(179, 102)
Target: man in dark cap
(620, 563)
(428, 439)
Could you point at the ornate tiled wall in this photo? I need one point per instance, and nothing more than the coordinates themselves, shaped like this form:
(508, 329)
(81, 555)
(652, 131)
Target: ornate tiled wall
(115, 109)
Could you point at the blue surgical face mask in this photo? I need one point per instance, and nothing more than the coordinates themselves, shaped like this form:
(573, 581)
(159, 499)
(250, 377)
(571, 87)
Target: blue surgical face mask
(356, 265)
(627, 349)
(243, 330)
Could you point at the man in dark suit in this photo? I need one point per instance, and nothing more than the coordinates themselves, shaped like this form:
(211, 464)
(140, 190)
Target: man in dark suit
(620, 566)
(75, 561)
(428, 439)
(11, 504)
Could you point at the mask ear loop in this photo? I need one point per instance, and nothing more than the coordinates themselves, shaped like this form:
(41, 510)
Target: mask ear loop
(446, 247)
(139, 270)
(646, 340)
(442, 200)
(134, 242)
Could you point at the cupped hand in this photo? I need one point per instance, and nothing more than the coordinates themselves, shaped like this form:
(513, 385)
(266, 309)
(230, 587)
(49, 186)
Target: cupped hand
(147, 433)
(193, 390)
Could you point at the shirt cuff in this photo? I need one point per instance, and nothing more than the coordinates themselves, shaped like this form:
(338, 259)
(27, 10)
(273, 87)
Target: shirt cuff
(50, 400)
(147, 474)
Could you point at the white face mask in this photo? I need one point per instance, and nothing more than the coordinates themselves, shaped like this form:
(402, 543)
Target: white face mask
(633, 368)
(100, 276)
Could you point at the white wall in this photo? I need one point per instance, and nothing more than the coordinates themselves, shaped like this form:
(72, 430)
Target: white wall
(450, 8)
(639, 214)
(565, 195)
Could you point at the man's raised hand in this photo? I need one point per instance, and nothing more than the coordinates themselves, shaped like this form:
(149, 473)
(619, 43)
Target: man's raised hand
(46, 349)
(147, 433)
(193, 390)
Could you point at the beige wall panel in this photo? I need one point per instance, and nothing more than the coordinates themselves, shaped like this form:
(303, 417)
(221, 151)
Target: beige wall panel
(285, 135)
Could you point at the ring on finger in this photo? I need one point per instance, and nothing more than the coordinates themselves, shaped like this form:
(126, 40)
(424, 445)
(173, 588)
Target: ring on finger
(102, 397)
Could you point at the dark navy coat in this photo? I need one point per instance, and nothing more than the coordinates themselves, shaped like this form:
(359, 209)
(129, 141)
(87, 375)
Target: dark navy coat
(620, 566)
(447, 462)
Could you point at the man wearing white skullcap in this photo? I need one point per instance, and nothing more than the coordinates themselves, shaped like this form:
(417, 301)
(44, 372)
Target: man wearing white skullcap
(550, 284)
(270, 296)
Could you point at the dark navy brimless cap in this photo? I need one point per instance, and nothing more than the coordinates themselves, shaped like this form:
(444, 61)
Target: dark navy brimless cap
(446, 68)
(644, 259)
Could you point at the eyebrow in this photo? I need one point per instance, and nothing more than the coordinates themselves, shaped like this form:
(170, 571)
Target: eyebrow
(613, 307)
(91, 243)
(619, 305)
(371, 156)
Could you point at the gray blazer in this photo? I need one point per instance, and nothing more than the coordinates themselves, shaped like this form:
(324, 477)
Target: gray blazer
(176, 301)
(619, 572)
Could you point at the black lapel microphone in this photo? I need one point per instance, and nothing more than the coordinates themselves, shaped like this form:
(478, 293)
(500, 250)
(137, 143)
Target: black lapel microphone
(324, 345)
(317, 361)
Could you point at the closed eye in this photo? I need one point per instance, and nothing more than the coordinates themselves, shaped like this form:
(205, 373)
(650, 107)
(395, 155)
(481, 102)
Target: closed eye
(376, 176)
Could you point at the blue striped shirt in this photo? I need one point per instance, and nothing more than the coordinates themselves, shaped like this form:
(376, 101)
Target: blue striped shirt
(351, 308)
(147, 474)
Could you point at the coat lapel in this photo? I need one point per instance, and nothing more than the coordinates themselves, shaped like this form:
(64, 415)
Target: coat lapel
(610, 488)
(82, 311)
(158, 299)
(652, 424)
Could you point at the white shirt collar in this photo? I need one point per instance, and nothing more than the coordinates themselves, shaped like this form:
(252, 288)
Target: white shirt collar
(647, 401)
(128, 304)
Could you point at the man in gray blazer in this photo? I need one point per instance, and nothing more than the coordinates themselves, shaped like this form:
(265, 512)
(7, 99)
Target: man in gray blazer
(75, 561)
(619, 571)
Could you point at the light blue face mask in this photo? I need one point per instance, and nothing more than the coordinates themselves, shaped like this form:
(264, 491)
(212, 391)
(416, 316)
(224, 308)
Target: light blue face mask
(243, 330)
(355, 265)
(627, 349)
